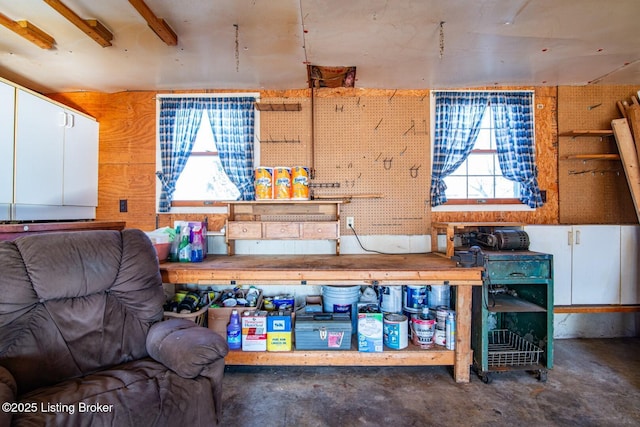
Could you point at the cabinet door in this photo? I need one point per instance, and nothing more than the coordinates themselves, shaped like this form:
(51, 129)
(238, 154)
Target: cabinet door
(80, 161)
(7, 105)
(39, 151)
(630, 264)
(596, 264)
(555, 240)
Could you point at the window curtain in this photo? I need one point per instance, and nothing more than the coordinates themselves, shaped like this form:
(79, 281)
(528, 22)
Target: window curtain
(457, 123)
(178, 125)
(513, 122)
(232, 123)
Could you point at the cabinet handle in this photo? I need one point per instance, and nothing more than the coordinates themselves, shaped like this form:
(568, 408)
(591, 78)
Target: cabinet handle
(569, 238)
(62, 119)
(69, 120)
(577, 237)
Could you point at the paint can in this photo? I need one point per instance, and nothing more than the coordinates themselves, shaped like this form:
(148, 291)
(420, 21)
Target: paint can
(441, 316)
(439, 336)
(391, 299)
(423, 331)
(439, 295)
(263, 183)
(395, 331)
(300, 183)
(281, 183)
(415, 297)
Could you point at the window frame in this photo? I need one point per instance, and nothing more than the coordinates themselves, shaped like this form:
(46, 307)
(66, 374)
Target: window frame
(202, 206)
(471, 204)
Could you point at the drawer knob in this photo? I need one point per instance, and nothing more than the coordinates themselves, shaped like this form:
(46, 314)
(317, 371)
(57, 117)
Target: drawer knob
(319, 230)
(244, 230)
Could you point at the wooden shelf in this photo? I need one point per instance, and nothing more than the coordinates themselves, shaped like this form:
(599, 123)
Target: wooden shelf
(280, 106)
(410, 356)
(603, 156)
(596, 308)
(595, 133)
(507, 303)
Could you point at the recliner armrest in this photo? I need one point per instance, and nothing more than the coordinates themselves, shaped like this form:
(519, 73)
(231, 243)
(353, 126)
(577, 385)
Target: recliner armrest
(184, 347)
(8, 394)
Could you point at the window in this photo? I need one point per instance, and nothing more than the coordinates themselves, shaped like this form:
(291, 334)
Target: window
(206, 146)
(484, 149)
(479, 178)
(203, 177)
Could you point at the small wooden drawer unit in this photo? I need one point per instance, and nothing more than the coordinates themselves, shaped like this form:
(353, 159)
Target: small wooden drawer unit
(283, 220)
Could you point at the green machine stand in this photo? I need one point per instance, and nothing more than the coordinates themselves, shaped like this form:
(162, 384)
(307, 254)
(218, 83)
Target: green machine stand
(512, 320)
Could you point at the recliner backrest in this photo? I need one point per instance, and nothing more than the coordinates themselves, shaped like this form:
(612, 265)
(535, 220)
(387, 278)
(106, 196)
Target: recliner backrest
(73, 303)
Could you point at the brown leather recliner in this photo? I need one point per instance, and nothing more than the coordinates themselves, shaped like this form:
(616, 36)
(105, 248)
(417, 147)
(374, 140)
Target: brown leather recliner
(82, 342)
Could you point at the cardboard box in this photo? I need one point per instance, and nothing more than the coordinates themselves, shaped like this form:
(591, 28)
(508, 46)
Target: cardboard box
(218, 317)
(279, 331)
(254, 330)
(313, 304)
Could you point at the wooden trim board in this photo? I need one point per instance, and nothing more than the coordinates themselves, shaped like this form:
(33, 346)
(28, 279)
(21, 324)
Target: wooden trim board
(629, 159)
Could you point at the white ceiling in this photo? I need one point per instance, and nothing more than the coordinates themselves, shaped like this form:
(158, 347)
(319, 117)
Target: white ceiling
(394, 44)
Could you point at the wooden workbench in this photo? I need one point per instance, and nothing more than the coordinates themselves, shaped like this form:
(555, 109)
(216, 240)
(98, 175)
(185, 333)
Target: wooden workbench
(386, 270)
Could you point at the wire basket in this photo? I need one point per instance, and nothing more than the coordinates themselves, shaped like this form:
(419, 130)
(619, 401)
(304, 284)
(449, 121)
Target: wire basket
(509, 349)
(199, 316)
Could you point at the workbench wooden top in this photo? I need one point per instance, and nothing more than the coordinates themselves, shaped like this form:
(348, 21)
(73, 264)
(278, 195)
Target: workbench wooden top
(303, 269)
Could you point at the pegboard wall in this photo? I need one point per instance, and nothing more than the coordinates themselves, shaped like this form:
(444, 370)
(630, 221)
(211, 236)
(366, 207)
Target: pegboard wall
(591, 191)
(376, 148)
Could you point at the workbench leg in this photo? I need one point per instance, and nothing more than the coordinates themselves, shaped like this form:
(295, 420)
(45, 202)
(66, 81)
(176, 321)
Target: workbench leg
(463, 334)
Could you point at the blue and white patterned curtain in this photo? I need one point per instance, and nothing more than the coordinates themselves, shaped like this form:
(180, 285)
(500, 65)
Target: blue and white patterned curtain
(458, 117)
(178, 125)
(232, 123)
(514, 130)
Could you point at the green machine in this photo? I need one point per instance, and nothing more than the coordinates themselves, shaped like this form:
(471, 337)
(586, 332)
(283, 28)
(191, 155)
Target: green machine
(512, 320)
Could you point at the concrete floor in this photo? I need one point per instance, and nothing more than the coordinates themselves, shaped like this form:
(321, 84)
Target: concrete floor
(595, 382)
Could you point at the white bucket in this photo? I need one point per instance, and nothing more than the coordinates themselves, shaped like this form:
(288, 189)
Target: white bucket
(439, 295)
(342, 299)
(391, 299)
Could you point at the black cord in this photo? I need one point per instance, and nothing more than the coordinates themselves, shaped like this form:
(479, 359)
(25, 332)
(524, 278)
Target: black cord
(379, 252)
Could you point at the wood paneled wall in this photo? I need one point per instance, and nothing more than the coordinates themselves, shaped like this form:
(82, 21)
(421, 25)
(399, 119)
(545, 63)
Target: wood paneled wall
(128, 155)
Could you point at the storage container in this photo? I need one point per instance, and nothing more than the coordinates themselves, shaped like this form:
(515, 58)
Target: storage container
(323, 331)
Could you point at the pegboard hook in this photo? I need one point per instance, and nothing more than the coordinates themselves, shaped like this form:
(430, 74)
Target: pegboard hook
(387, 163)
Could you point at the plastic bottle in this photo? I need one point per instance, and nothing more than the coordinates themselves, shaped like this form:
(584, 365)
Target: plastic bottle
(197, 254)
(175, 244)
(450, 332)
(189, 303)
(184, 250)
(234, 331)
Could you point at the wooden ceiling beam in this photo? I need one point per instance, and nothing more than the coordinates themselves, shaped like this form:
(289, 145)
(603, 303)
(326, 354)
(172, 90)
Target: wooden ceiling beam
(28, 31)
(158, 25)
(90, 27)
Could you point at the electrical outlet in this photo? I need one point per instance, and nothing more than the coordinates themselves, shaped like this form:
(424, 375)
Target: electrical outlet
(123, 205)
(351, 222)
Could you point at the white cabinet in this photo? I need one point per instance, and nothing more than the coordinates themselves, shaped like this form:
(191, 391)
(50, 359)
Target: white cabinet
(48, 158)
(39, 151)
(596, 264)
(80, 179)
(593, 264)
(7, 125)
